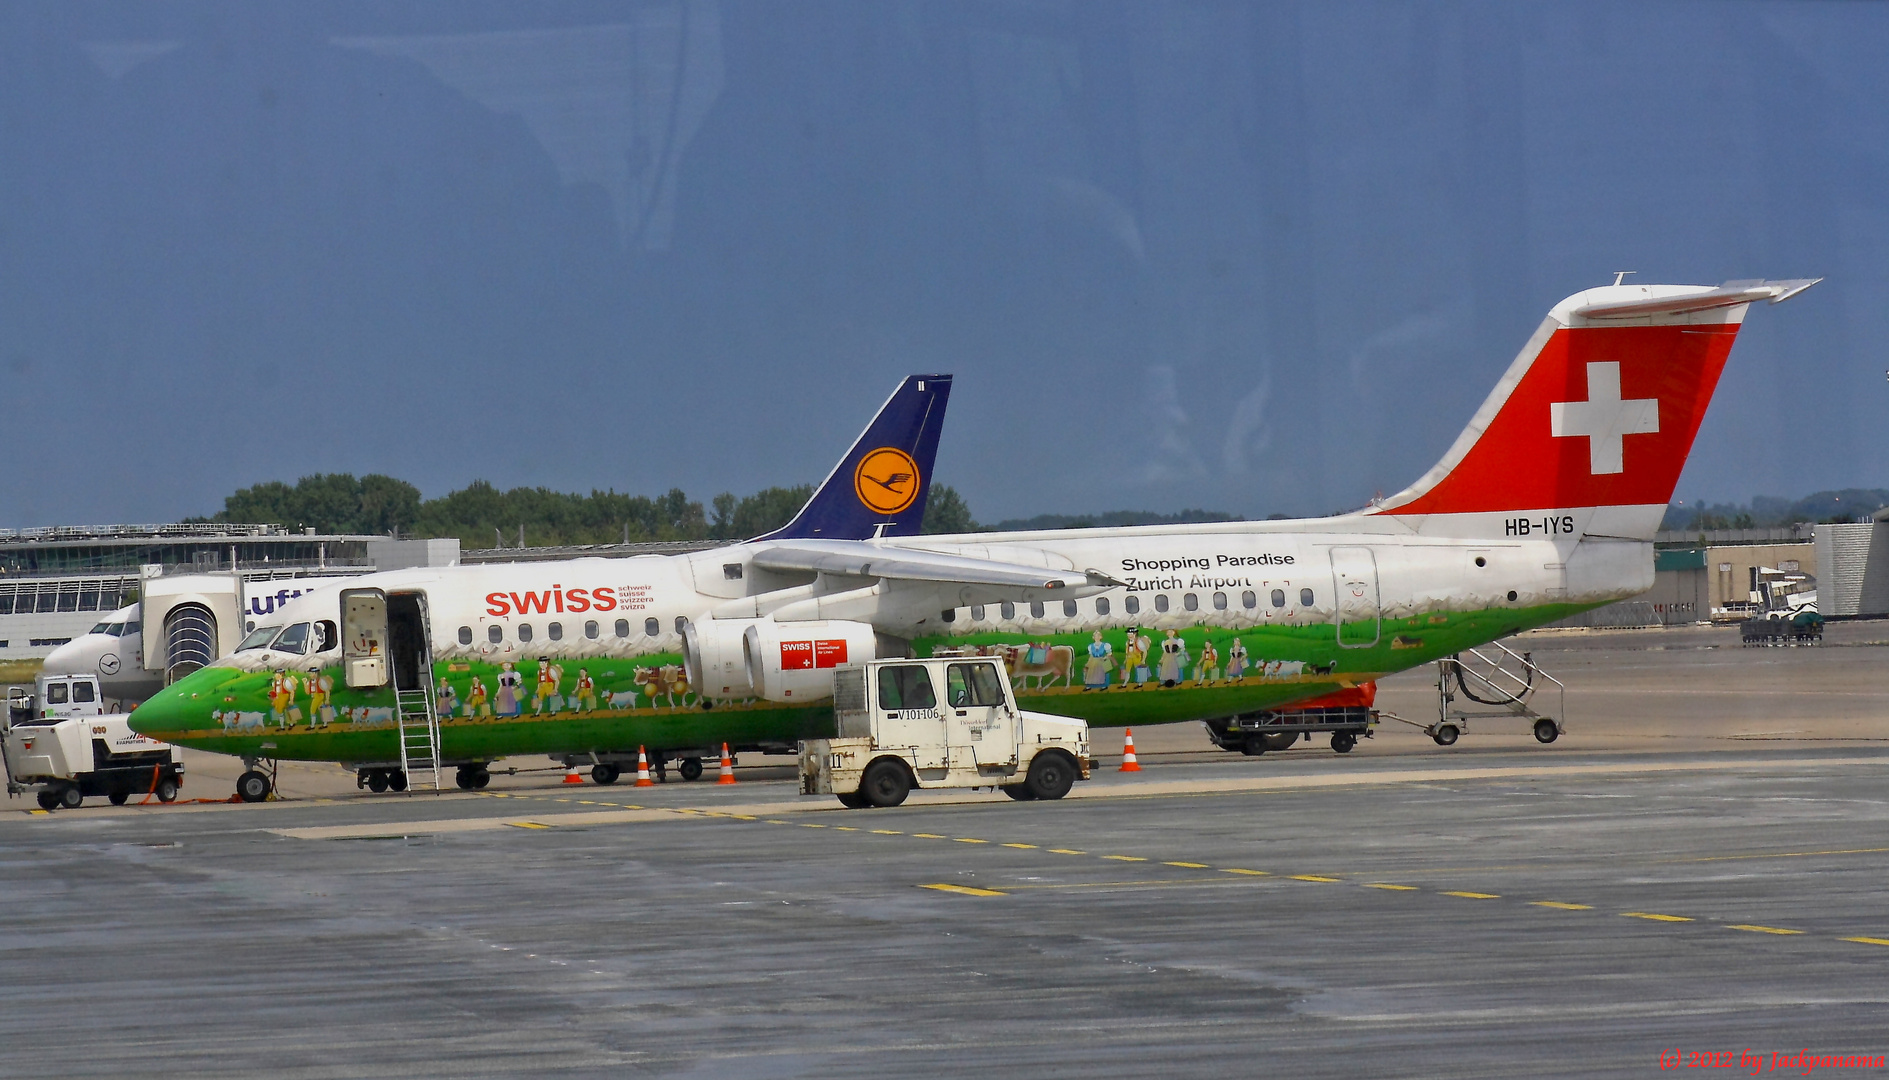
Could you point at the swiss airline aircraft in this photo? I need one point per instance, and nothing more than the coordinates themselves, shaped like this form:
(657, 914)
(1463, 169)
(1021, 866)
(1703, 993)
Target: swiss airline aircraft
(1546, 505)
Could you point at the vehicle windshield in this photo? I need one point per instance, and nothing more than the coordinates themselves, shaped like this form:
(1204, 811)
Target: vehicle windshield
(259, 638)
(293, 640)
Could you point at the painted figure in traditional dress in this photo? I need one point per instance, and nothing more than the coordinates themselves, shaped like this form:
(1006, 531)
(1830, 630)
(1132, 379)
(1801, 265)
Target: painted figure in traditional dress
(586, 696)
(1209, 668)
(1101, 659)
(509, 680)
(1236, 660)
(476, 704)
(549, 677)
(282, 698)
(1173, 667)
(446, 699)
(321, 689)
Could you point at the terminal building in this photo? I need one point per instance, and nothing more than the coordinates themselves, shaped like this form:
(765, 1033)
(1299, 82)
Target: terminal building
(57, 583)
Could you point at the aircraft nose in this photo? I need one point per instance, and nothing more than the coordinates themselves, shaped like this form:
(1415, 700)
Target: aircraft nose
(185, 705)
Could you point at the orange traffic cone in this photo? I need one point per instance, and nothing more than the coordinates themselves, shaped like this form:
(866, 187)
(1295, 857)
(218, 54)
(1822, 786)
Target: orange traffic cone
(727, 767)
(571, 776)
(642, 770)
(1129, 764)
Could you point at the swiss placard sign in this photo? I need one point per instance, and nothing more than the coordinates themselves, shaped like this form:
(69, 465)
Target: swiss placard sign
(796, 656)
(828, 654)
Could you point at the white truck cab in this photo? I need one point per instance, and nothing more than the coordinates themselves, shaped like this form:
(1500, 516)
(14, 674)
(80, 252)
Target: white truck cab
(950, 722)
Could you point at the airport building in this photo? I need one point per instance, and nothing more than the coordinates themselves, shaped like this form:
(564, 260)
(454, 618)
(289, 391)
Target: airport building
(1702, 575)
(56, 583)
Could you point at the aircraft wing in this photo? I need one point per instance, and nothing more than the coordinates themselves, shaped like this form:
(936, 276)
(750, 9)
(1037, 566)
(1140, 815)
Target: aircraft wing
(863, 558)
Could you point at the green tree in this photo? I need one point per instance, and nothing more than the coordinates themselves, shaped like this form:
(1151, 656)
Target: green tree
(946, 512)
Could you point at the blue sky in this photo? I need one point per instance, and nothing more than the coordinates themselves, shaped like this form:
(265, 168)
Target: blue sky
(1251, 257)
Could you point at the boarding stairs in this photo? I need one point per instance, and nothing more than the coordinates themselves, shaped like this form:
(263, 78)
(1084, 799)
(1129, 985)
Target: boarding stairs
(419, 736)
(1493, 683)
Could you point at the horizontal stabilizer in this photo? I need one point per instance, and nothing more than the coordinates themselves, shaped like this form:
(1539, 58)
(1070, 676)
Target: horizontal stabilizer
(1732, 292)
(866, 559)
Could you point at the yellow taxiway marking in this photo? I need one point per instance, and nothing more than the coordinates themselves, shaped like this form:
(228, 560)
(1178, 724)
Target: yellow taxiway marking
(836, 828)
(41, 813)
(1388, 885)
(1022, 847)
(928, 835)
(1249, 873)
(1755, 929)
(1559, 906)
(778, 821)
(1311, 877)
(527, 824)
(1868, 940)
(887, 832)
(1654, 917)
(964, 890)
(969, 840)
(810, 825)
(1187, 865)
(1125, 858)
(1473, 895)
(751, 817)
(1066, 851)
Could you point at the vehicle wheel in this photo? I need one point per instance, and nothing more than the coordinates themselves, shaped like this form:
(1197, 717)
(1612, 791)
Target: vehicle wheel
(853, 800)
(1254, 745)
(1019, 792)
(1446, 734)
(691, 768)
(70, 798)
(1282, 740)
(396, 779)
(253, 786)
(117, 798)
(464, 778)
(1051, 776)
(481, 778)
(1545, 731)
(167, 790)
(886, 783)
(48, 799)
(605, 773)
(1343, 741)
(377, 781)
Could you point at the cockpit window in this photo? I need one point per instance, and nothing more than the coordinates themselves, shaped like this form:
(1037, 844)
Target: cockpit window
(104, 628)
(294, 640)
(325, 635)
(130, 628)
(259, 638)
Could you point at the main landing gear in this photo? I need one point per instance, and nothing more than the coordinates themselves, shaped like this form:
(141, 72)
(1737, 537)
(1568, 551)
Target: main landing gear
(258, 780)
(472, 777)
(379, 780)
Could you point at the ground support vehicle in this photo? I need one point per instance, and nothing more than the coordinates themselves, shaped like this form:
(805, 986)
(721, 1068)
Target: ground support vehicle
(897, 731)
(1346, 716)
(1783, 628)
(70, 758)
(1492, 683)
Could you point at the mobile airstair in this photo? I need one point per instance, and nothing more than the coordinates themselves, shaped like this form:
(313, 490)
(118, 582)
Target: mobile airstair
(419, 736)
(1493, 683)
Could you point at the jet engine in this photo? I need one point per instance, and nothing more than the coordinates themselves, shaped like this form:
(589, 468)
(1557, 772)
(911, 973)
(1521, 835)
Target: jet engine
(732, 659)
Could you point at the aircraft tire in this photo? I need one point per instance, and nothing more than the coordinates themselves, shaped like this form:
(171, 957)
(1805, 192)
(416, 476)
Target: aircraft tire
(253, 786)
(464, 778)
(853, 800)
(1446, 734)
(1343, 741)
(1545, 731)
(1051, 775)
(166, 790)
(481, 779)
(1019, 792)
(71, 798)
(886, 783)
(48, 799)
(377, 781)
(396, 779)
(605, 773)
(691, 768)
(117, 798)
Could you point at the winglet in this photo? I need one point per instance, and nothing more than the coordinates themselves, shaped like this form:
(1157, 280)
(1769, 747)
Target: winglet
(879, 488)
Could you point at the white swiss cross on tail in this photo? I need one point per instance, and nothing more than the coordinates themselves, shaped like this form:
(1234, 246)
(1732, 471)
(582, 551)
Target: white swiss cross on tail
(1604, 418)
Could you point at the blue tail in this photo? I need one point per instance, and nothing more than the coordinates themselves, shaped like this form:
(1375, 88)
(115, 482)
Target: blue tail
(885, 477)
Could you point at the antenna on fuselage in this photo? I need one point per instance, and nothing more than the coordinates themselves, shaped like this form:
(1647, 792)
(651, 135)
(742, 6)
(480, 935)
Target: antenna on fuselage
(1620, 275)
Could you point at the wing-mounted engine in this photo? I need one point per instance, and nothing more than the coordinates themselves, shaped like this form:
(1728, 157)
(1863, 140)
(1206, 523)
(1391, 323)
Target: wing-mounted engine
(737, 659)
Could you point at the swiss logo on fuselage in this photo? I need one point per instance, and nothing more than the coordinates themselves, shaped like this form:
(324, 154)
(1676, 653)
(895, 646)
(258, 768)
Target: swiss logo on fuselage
(886, 480)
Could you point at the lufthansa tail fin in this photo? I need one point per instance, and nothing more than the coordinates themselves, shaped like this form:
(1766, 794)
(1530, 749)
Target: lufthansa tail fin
(885, 478)
(1588, 430)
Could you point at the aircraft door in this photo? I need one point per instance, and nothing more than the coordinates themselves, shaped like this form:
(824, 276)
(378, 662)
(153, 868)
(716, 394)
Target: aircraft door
(976, 718)
(1355, 607)
(364, 638)
(908, 713)
(409, 641)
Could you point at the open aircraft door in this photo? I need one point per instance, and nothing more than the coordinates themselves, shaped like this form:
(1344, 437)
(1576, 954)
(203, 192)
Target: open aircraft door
(364, 638)
(1356, 610)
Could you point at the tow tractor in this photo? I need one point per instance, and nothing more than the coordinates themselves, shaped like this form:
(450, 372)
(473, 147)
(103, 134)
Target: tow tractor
(60, 740)
(896, 731)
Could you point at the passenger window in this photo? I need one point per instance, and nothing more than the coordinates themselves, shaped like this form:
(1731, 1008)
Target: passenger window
(1069, 608)
(1305, 598)
(56, 693)
(465, 635)
(1007, 609)
(1278, 598)
(1219, 601)
(326, 635)
(1132, 605)
(1249, 600)
(81, 691)
(977, 613)
(495, 633)
(1101, 605)
(682, 623)
(555, 631)
(1191, 602)
(293, 640)
(1161, 602)
(949, 615)
(623, 628)
(1036, 609)
(651, 627)
(906, 686)
(591, 630)
(524, 631)
(973, 684)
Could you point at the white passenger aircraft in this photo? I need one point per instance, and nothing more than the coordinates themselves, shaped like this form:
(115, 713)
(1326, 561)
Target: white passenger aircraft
(1545, 506)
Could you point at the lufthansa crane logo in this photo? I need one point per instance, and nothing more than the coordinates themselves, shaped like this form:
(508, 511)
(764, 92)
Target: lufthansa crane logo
(886, 480)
